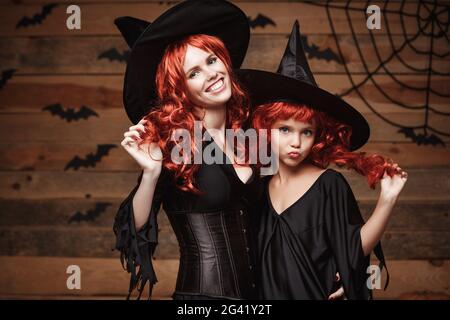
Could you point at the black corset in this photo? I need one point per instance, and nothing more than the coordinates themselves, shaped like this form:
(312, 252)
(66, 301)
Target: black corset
(216, 257)
(213, 230)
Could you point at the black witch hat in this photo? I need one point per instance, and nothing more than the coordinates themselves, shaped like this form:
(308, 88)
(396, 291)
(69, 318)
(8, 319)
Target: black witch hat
(294, 82)
(131, 28)
(148, 42)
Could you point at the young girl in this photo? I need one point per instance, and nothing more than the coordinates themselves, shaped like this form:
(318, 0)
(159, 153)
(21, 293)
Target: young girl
(311, 227)
(181, 66)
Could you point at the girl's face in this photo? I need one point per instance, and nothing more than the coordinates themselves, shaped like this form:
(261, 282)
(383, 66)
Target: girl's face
(207, 78)
(292, 141)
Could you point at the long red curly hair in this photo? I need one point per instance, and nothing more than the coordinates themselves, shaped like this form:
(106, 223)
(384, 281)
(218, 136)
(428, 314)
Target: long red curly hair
(332, 140)
(175, 111)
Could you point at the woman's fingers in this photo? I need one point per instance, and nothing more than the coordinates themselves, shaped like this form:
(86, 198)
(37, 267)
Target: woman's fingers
(338, 277)
(138, 127)
(134, 134)
(127, 141)
(339, 293)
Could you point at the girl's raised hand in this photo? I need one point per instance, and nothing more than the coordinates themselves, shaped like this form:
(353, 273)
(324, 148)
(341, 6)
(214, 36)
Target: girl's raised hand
(392, 186)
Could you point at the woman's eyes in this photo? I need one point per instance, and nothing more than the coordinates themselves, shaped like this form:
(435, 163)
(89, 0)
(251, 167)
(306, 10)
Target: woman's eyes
(283, 129)
(308, 133)
(193, 74)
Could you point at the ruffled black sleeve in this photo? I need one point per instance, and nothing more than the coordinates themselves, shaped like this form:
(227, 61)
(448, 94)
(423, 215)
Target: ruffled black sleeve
(137, 247)
(344, 222)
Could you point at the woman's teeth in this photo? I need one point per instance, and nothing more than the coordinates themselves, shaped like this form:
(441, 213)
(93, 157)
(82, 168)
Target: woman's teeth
(216, 86)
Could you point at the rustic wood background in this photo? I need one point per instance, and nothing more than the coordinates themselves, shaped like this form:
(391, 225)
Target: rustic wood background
(54, 65)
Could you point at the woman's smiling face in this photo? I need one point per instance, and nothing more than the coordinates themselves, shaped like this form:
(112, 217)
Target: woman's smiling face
(207, 78)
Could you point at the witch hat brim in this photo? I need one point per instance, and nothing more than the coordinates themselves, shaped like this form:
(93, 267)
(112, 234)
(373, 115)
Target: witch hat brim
(294, 82)
(217, 18)
(264, 87)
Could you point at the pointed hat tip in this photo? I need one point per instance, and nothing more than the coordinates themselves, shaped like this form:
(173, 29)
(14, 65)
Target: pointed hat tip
(294, 63)
(295, 32)
(130, 28)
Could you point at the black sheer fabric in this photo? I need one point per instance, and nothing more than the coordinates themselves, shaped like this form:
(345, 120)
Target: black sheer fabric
(216, 247)
(302, 248)
(137, 247)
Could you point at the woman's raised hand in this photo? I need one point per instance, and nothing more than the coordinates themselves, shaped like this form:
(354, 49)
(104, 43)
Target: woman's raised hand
(148, 155)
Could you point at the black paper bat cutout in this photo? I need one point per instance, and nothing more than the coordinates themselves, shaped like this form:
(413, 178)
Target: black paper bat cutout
(313, 51)
(421, 138)
(112, 54)
(91, 159)
(70, 114)
(260, 21)
(37, 18)
(91, 214)
(6, 75)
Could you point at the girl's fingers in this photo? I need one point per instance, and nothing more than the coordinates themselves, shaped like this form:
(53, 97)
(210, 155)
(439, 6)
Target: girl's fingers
(394, 166)
(338, 277)
(401, 173)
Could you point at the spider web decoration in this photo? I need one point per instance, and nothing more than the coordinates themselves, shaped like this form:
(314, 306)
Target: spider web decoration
(431, 26)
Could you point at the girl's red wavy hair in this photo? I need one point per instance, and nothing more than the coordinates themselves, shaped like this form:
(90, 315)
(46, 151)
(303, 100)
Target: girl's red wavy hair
(175, 111)
(332, 140)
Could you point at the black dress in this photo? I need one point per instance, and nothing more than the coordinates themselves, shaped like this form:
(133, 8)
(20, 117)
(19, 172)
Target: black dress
(216, 248)
(302, 248)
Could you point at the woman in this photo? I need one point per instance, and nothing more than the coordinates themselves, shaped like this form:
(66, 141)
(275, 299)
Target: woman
(181, 66)
(310, 225)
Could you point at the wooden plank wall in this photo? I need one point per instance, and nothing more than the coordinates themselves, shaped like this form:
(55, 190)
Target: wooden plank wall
(53, 65)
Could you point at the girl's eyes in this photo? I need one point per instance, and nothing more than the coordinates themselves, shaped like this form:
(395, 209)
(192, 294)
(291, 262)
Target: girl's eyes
(306, 132)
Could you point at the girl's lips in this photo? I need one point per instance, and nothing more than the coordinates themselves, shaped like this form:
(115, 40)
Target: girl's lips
(294, 155)
(218, 89)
